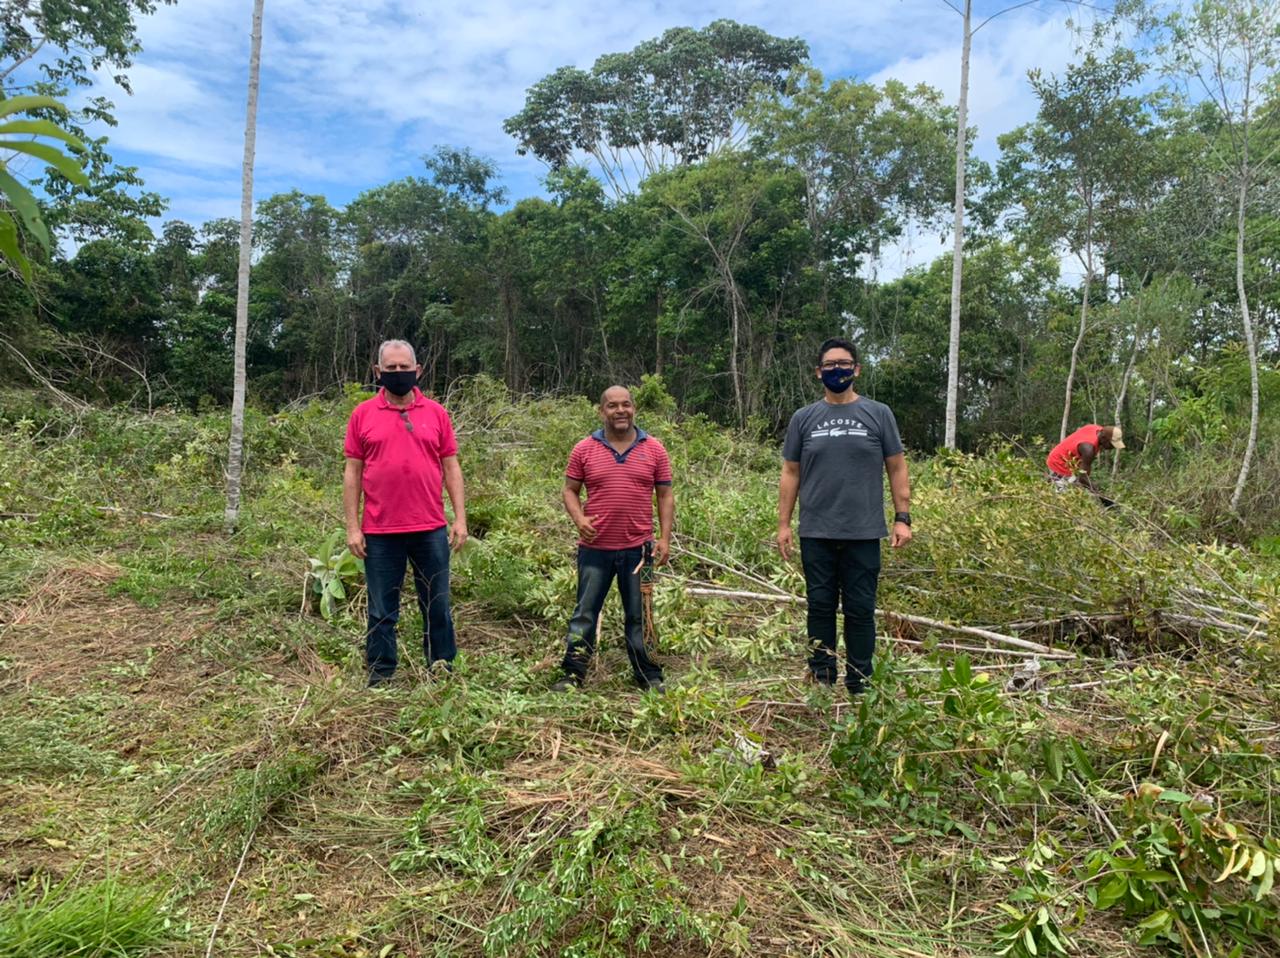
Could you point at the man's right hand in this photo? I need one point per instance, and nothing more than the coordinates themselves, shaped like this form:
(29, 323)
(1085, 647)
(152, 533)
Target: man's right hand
(785, 542)
(586, 528)
(355, 542)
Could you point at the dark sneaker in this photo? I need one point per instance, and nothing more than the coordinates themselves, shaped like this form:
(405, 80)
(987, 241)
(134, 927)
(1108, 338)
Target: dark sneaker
(656, 685)
(566, 684)
(379, 681)
(811, 678)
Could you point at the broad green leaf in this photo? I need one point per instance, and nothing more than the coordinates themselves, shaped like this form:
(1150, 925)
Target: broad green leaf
(1173, 795)
(1081, 762)
(1112, 890)
(25, 104)
(1152, 875)
(1159, 920)
(52, 156)
(20, 199)
(1259, 864)
(1268, 879)
(9, 247)
(41, 128)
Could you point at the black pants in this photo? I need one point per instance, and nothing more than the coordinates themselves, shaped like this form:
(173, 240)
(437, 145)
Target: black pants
(384, 567)
(847, 571)
(597, 569)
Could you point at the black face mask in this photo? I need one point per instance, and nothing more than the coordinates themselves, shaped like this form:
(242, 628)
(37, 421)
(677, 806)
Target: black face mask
(398, 383)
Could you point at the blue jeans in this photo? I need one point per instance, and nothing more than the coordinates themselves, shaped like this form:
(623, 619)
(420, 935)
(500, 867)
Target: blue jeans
(597, 568)
(384, 567)
(847, 570)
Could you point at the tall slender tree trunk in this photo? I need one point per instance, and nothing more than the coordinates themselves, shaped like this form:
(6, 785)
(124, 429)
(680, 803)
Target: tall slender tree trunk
(510, 358)
(1120, 396)
(734, 371)
(235, 451)
(957, 255)
(1250, 345)
(1075, 348)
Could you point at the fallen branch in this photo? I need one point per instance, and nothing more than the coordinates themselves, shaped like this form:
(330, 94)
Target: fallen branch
(997, 637)
(988, 650)
(681, 548)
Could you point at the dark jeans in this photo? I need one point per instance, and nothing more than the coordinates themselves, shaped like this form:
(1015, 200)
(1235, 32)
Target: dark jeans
(597, 569)
(384, 566)
(847, 570)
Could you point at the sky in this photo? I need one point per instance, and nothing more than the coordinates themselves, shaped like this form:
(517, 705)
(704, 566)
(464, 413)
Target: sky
(353, 94)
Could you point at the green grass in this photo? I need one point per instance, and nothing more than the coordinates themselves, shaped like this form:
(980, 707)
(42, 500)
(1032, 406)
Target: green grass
(105, 919)
(173, 704)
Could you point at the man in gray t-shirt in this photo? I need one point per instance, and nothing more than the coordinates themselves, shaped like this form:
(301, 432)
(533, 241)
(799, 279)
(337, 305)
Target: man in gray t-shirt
(834, 458)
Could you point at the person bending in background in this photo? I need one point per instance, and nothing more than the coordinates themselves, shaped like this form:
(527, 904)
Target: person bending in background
(1071, 461)
(400, 449)
(834, 459)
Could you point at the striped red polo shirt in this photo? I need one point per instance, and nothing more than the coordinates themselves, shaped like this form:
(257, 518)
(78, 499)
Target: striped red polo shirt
(619, 487)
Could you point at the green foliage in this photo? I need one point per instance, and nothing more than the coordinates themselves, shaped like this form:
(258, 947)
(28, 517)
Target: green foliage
(609, 821)
(105, 919)
(250, 795)
(14, 135)
(334, 575)
(1179, 864)
(636, 101)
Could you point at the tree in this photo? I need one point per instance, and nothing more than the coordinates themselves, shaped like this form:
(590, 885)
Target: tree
(50, 49)
(1071, 171)
(670, 101)
(235, 451)
(957, 255)
(872, 159)
(1230, 49)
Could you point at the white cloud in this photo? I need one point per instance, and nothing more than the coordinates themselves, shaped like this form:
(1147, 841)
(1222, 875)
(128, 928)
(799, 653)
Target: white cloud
(353, 93)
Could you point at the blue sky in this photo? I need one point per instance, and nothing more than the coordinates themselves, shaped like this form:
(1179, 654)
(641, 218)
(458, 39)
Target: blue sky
(353, 93)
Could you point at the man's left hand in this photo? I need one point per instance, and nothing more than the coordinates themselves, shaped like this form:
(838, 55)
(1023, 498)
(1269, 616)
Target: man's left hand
(900, 536)
(661, 551)
(458, 534)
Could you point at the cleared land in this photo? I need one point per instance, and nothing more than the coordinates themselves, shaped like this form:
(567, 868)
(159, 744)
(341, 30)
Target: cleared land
(185, 737)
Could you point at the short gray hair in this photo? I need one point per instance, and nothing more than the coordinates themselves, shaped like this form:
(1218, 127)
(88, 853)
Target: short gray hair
(399, 343)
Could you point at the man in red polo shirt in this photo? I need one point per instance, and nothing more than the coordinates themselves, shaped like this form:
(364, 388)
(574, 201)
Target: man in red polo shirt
(622, 468)
(400, 449)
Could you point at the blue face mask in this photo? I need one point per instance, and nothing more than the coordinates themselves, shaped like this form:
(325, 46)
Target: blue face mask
(837, 380)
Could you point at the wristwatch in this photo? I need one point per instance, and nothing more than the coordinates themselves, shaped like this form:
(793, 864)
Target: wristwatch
(903, 517)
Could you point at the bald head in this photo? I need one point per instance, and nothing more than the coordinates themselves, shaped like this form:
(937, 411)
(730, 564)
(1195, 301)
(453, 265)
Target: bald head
(616, 392)
(617, 412)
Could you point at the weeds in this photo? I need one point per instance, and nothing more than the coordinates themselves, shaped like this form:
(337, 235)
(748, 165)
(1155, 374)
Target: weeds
(166, 691)
(107, 919)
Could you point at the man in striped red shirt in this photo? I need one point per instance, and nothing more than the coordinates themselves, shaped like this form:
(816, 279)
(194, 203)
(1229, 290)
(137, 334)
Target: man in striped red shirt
(623, 469)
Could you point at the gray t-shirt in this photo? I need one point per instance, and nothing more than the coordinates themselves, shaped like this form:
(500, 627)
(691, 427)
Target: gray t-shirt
(841, 450)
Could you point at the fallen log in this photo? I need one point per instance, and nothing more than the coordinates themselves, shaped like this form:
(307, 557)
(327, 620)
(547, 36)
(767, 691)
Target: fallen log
(997, 637)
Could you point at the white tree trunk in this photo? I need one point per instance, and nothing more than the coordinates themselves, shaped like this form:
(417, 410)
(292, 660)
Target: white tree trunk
(235, 452)
(1124, 389)
(1075, 348)
(1252, 445)
(957, 255)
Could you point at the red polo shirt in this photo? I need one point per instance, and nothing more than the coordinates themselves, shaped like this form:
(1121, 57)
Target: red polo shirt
(1064, 458)
(402, 478)
(619, 487)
